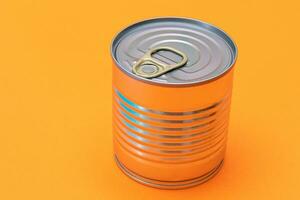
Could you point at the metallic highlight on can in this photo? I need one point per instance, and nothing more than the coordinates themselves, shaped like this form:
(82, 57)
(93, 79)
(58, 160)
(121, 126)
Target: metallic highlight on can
(172, 83)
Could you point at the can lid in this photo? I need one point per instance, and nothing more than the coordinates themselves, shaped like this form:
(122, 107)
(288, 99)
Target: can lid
(173, 51)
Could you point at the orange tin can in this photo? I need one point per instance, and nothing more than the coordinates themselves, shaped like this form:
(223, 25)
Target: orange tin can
(172, 83)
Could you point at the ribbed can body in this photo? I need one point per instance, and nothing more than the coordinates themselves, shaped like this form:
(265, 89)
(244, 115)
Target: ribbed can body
(170, 137)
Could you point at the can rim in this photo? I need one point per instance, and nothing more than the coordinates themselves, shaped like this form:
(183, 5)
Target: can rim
(204, 81)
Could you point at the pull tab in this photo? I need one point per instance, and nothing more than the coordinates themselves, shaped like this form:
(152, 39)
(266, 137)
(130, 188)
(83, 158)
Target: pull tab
(148, 67)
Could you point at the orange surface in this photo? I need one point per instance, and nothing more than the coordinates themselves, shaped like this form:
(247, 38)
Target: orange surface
(55, 105)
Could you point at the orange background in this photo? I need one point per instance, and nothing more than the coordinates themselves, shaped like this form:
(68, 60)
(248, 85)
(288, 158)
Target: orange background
(55, 99)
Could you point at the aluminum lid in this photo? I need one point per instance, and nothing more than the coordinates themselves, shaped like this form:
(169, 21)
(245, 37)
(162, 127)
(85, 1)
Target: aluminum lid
(209, 51)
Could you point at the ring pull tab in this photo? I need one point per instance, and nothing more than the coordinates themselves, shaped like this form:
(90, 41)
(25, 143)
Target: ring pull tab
(148, 67)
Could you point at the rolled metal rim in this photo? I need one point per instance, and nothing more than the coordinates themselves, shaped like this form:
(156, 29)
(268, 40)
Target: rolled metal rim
(196, 21)
(169, 185)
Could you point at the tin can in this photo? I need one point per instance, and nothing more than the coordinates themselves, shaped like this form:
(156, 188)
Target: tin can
(172, 83)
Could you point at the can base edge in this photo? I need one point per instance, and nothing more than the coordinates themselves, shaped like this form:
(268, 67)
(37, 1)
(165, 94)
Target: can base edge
(169, 185)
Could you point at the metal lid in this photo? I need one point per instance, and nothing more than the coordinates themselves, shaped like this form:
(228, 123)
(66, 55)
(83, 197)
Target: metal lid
(209, 51)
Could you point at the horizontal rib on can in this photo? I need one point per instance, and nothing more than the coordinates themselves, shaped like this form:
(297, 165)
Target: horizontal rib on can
(169, 132)
(204, 135)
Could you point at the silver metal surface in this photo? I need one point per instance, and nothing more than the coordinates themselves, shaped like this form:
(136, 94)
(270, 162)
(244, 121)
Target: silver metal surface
(158, 112)
(209, 50)
(166, 149)
(128, 114)
(182, 143)
(142, 116)
(168, 140)
(127, 126)
(169, 184)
